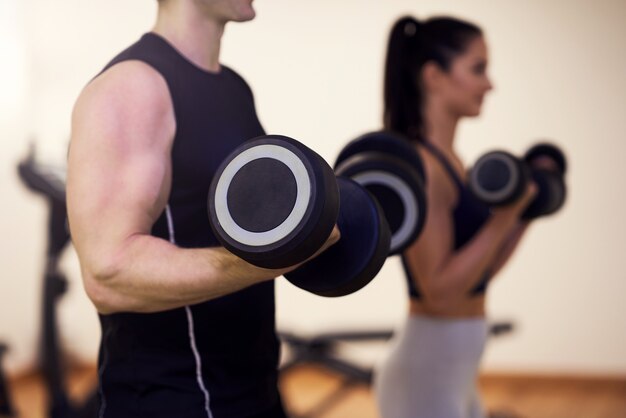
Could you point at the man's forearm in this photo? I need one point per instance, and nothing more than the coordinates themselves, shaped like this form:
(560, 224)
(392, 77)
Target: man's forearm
(152, 275)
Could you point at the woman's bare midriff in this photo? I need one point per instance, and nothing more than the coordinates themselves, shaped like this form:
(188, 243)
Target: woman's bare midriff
(471, 307)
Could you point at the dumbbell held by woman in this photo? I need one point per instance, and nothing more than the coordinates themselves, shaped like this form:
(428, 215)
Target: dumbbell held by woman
(499, 178)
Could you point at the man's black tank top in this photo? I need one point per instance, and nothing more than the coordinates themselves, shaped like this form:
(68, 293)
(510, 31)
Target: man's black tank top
(214, 359)
(469, 215)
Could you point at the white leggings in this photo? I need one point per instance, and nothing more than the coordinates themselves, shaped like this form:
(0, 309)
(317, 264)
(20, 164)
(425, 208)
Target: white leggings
(431, 369)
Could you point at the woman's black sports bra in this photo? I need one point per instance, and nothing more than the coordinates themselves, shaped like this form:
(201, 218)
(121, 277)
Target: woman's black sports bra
(469, 215)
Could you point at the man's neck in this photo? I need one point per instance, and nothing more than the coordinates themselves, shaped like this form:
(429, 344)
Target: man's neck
(194, 35)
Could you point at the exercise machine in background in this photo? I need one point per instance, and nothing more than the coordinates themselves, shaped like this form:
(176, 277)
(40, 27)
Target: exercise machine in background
(6, 409)
(49, 182)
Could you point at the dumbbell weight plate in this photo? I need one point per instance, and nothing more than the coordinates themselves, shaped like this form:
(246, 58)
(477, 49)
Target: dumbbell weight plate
(550, 180)
(358, 256)
(551, 151)
(498, 178)
(273, 202)
(387, 142)
(398, 189)
(551, 193)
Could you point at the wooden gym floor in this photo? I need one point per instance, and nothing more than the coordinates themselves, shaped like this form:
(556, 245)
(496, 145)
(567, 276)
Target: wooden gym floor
(306, 388)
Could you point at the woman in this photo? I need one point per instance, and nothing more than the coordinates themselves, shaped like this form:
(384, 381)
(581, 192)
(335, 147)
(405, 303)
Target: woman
(436, 74)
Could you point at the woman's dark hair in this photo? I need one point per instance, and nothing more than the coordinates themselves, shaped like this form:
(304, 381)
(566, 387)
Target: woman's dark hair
(411, 45)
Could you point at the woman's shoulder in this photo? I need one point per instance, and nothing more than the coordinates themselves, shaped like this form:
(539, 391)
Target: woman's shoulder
(439, 182)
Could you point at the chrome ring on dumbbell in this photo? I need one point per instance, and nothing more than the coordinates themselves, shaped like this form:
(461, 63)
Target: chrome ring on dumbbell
(288, 224)
(497, 178)
(273, 202)
(412, 213)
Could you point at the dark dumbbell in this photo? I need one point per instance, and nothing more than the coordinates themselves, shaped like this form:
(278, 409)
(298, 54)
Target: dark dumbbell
(6, 409)
(548, 166)
(391, 170)
(274, 202)
(499, 178)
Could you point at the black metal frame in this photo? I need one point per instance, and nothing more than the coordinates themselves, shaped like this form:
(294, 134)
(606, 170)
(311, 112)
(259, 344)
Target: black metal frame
(46, 181)
(6, 408)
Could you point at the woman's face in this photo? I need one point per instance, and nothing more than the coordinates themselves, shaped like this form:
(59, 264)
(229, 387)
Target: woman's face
(466, 82)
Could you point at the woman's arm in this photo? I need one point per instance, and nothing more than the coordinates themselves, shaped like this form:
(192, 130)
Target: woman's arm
(509, 247)
(446, 276)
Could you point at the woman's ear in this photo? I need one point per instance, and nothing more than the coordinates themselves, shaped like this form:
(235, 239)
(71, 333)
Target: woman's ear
(431, 76)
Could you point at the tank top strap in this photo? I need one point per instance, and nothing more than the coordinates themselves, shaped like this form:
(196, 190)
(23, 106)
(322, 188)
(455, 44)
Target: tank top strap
(444, 162)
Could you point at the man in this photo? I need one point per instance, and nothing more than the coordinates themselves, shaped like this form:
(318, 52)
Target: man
(188, 329)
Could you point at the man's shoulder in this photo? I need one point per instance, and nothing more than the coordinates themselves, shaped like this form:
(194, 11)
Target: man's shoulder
(120, 91)
(128, 78)
(238, 78)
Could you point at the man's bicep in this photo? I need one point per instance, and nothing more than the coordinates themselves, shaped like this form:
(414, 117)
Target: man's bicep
(116, 191)
(118, 167)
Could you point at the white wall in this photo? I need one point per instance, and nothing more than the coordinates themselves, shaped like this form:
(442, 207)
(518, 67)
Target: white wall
(316, 70)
